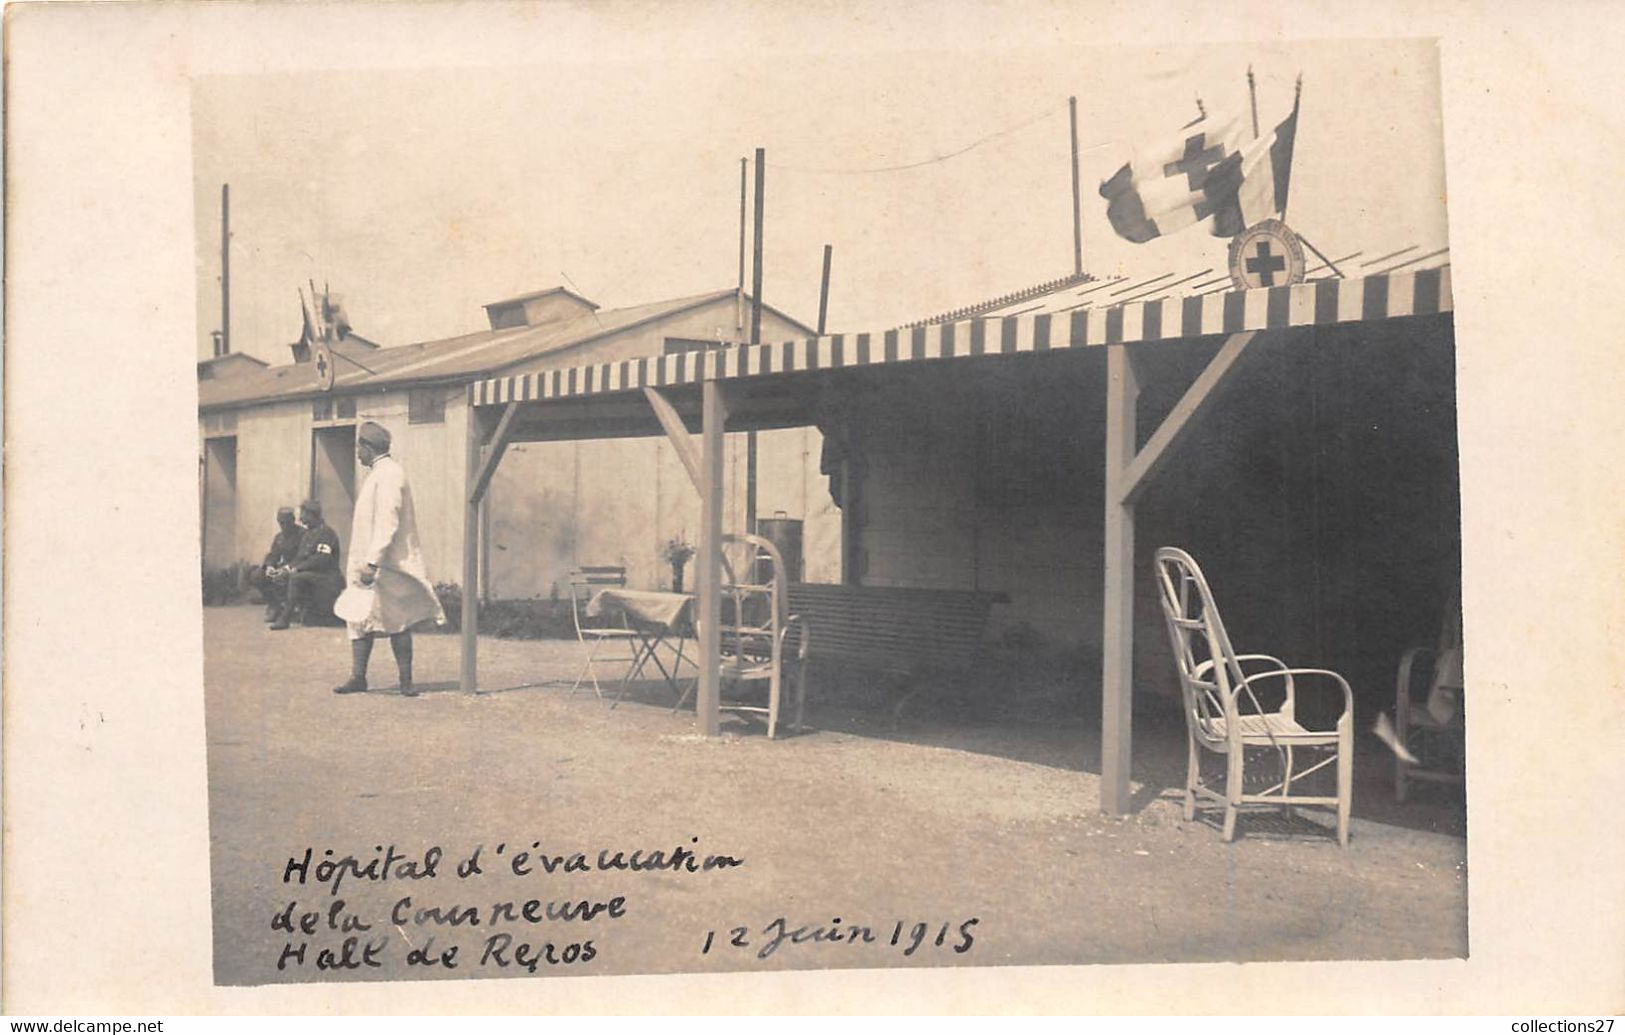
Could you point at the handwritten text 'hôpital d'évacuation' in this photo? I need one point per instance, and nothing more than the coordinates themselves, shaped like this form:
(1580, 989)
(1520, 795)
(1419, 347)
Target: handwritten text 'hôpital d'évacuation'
(387, 864)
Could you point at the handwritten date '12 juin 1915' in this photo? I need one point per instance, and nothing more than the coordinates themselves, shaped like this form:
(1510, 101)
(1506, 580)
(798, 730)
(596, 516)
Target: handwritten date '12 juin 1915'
(905, 936)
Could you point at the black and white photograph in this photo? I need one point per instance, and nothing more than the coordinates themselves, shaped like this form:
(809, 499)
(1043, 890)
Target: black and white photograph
(800, 543)
(926, 499)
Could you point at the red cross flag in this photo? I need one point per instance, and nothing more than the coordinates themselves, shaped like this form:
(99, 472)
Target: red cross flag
(1208, 174)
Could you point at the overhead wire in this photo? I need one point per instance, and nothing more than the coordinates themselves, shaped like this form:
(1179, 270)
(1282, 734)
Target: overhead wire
(900, 167)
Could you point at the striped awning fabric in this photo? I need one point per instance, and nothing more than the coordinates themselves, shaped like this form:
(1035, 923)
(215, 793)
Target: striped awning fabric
(1320, 303)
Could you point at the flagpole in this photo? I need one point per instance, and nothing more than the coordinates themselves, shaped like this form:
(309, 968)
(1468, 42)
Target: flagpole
(1297, 96)
(1252, 93)
(1201, 113)
(1319, 256)
(225, 270)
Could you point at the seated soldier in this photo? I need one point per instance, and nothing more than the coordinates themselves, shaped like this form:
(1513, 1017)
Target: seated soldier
(271, 576)
(316, 579)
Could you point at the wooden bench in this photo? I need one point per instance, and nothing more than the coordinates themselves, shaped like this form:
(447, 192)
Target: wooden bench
(903, 633)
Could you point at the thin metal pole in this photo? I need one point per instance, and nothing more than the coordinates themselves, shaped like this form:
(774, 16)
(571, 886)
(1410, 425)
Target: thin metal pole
(739, 299)
(1077, 205)
(755, 337)
(1252, 93)
(225, 270)
(1319, 255)
(756, 264)
(823, 290)
(1297, 95)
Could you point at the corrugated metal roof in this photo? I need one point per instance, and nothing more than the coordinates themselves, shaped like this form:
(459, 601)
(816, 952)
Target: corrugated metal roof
(1005, 301)
(463, 358)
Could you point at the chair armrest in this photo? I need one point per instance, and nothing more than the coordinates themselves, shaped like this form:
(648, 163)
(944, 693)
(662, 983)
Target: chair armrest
(1207, 665)
(1407, 669)
(1280, 667)
(1289, 673)
(1272, 659)
(1402, 687)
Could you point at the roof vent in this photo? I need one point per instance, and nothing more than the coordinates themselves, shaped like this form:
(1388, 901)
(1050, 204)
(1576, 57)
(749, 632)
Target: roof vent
(537, 308)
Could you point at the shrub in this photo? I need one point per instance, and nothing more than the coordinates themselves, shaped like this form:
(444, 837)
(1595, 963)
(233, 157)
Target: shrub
(450, 595)
(527, 620)
(222, 586)
(509, 619)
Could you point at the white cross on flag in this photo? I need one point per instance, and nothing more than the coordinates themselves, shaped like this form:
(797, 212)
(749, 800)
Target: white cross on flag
(1210, 174)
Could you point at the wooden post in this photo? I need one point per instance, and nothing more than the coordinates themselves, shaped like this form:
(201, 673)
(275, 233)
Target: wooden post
(485, 547)
(710, 558)
(823, 290)
(1117, 643)
(471, 551)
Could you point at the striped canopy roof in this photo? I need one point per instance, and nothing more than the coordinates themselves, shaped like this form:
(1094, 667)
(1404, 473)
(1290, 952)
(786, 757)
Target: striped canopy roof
(1320, 303)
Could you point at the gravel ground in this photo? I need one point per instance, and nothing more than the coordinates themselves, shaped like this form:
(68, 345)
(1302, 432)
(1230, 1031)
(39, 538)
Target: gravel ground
(855, 830)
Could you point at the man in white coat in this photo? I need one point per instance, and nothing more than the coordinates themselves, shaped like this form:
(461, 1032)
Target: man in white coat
(385, 556)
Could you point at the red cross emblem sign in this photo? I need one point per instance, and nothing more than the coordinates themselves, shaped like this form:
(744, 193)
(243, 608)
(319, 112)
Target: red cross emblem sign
(1266, 254)
(322, 359)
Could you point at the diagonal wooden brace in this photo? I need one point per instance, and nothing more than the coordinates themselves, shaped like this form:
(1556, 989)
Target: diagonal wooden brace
(675, 430)
(498, 446)
(1159, 446)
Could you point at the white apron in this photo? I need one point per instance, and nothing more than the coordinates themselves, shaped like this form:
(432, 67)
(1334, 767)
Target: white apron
(384, 532)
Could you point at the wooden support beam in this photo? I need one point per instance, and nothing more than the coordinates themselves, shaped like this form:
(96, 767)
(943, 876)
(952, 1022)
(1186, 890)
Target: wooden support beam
(493, 457)
(469, 671)
(1158, 447)
(1117, 643)
(1128, 472)
(677, 432)
(710, 558)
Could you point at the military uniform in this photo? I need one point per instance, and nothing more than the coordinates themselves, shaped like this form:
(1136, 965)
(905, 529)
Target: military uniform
(269, 577)
(316, 580)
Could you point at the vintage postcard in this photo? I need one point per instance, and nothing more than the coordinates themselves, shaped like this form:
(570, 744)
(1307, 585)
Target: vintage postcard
(855, 507)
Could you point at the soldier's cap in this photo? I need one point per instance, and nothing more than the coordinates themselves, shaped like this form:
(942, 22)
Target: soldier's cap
(375, 435)
(284, 512)
(312, 507)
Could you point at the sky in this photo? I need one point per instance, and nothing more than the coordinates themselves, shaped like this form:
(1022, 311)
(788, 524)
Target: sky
(419, 195)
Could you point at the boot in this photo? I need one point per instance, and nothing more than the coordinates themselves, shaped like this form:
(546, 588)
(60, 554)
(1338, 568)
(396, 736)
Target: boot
(282, 619)
(360, 652)
(401, 645)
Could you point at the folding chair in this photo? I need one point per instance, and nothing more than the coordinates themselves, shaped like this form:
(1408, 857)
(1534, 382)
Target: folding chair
(599, 635)
(1223, 713)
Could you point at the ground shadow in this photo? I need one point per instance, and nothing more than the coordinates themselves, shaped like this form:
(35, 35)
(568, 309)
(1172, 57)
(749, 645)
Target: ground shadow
(1037, 726)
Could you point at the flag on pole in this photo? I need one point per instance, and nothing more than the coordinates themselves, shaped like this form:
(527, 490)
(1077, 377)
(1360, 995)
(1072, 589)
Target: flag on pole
(307, 333)
(1208, 174)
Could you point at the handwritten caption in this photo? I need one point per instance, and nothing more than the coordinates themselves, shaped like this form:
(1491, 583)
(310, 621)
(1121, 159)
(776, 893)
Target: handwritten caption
(440, 910)
(427, 926)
